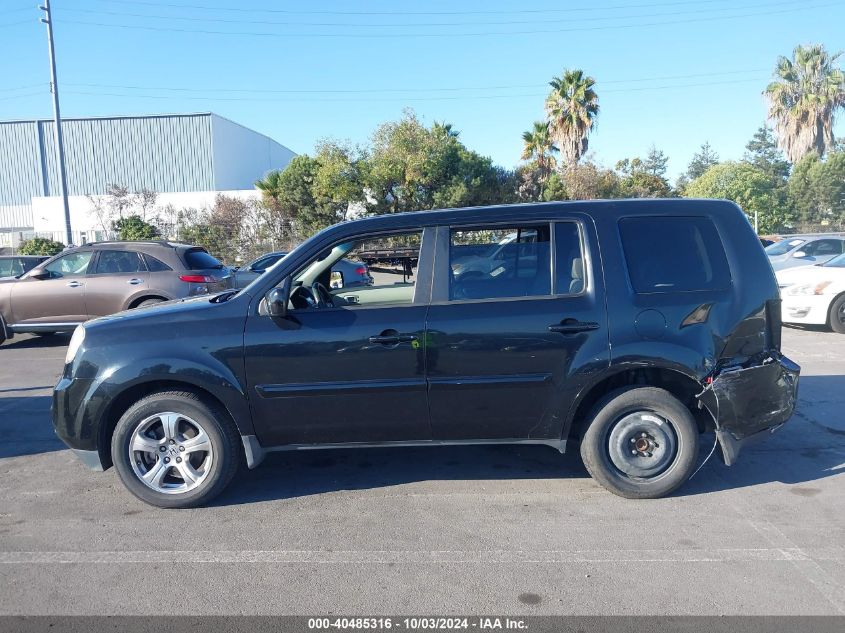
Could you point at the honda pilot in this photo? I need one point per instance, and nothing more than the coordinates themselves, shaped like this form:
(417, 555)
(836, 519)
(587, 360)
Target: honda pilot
(625, 329)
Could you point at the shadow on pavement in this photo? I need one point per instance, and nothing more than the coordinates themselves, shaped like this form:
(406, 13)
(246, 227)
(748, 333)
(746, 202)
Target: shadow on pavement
(803, 451)
(26, 427)
(27, 342)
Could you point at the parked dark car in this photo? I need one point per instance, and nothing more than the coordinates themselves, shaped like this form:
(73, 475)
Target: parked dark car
(17, 265)
(628, 327)
(102, 278)
(345, 273)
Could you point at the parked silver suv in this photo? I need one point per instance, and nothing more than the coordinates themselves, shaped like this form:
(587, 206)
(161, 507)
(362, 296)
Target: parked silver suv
(102, 278)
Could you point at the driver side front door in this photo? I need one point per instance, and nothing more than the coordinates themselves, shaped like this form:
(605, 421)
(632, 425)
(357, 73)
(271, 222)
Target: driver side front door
(354, 372)
(56, 299)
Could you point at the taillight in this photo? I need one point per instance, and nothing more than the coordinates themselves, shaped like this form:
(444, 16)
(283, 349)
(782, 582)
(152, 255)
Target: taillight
(361, 270)
(199, 279)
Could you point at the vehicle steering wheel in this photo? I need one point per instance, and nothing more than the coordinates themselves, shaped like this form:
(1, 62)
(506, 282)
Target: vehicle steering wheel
(322, 297)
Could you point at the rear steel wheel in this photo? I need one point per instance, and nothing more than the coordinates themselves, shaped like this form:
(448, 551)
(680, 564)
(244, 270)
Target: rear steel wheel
(641, 443)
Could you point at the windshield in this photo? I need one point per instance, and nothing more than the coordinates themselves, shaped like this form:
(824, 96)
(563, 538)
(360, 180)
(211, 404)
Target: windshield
(836, 262)
(782, 247)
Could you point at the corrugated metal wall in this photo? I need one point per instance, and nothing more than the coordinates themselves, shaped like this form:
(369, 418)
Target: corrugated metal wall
(162, 153)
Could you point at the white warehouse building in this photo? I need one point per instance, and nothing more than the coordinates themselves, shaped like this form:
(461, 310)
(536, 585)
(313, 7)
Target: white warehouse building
(187, 159)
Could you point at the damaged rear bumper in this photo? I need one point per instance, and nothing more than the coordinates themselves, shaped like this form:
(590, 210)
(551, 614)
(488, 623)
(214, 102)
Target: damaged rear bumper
(750, 403)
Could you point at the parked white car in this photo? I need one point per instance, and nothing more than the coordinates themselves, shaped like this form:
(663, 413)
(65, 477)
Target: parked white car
(805, 250)
(814, 294)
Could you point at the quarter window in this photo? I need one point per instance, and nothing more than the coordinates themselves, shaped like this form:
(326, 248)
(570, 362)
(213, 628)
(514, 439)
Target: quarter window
(674, 254)
(155, 265)
(570, 277)
(499, 262)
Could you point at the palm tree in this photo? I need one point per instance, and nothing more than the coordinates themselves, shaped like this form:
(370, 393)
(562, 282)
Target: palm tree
(271, 185)
(803, 100)
(539, 146)
(571, 108)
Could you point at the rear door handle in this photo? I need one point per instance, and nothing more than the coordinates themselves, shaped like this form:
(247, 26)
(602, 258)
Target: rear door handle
(135, 282)
(571, 326)
(74, 284)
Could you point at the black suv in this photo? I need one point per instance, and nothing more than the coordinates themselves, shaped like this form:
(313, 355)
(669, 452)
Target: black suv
(628, 327)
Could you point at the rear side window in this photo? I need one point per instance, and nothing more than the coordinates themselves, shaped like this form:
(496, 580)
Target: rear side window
(499, 262)
(674, 254)
(115, 262)
(198, 259)
(155, 265)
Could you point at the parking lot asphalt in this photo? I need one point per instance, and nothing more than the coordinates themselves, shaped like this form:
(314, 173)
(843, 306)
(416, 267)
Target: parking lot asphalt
(484, 530)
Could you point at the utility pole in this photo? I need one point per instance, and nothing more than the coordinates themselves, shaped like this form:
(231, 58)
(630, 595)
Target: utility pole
(57, 120)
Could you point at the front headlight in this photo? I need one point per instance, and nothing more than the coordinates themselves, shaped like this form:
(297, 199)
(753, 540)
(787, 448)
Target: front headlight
(75, 343)
(808, 289)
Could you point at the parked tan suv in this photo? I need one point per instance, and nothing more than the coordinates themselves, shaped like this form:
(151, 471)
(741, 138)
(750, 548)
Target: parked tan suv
(103, 278)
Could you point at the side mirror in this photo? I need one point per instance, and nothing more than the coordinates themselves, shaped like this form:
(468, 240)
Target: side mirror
(260, 271)
(277, 300)
(39, 273)
(799, 254)
(336, 279)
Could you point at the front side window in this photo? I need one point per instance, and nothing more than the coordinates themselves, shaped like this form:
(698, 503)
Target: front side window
(70, 264)
(499, 262)
(116, 262)
(673, 254)
(377, 271)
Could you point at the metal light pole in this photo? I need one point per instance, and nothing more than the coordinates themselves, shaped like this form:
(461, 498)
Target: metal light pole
(57, 120)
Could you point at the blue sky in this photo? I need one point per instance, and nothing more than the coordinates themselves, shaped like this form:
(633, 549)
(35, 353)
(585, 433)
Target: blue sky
(673, 73)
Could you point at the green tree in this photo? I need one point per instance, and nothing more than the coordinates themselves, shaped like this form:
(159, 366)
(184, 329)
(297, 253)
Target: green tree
(414, 167)
(40, 246)
(132, 227)
(803, 99)
(587, 181)
(817, 189)
(762, 152)
(572, 108)
(701, 161)
(655, 162)
(538, 146)
(640, 178)
(749, 187)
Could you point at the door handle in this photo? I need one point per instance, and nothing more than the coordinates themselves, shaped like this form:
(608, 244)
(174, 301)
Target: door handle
(74, 284)
(391, 337)
(135, 282)
(571, 326)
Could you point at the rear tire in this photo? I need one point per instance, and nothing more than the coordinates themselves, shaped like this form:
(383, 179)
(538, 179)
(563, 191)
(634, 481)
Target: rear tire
(836, 316)
(641, 443)
(149, 302)
(174, 450)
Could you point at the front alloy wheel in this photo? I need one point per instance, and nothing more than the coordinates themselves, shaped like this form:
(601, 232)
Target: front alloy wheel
(175, 449)
(171, 453)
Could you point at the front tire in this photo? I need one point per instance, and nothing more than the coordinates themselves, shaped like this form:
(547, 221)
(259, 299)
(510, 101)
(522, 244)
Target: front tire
(641, 443)
(837, 315)
(174, 450)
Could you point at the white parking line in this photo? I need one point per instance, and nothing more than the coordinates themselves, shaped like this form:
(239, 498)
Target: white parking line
(422, 557)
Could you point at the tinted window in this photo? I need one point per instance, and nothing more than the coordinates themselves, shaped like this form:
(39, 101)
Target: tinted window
(155, 265)
(198, 259)
(499, 262)
(14, 266)
(783, 247)
(671, 254)
(70, 264)
(265, 262)
(114, 262)
(569, 259)
(823, 247)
